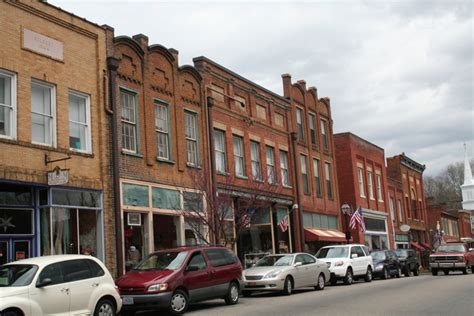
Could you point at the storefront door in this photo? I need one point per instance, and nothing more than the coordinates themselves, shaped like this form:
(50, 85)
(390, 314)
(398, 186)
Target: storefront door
(13, 249)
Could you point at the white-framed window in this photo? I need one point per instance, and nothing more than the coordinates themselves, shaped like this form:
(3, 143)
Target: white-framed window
(43, 113)
(79, 122)
(317, 178)
(299, 123)
(8, 104)
(312, 128)
(256, 161)
(360, 176)
(328, 175)
(324, 134)
(129, 119)
(285, 175)
(400, 210)
(271, 173)
(191, 133)
(239, 156)
(392, 209)
(220, 150)
(304, 174)
(378, 183)
(162, 129)
(370, 185)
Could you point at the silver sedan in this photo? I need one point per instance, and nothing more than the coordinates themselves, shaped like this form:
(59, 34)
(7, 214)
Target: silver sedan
(285, 272)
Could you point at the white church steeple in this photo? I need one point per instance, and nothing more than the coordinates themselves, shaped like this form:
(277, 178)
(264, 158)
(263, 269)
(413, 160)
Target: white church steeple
(468, 186)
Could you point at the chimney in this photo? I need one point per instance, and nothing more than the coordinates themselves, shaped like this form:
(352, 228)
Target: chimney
(175, 54)
(315, 91)
(142, 41)
(286, 85)
(302, 83)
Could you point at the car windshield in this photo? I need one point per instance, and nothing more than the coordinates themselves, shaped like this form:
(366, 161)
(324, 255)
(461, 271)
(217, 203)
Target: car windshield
(378, 255)
(274, 261)
(401, 252)
(334, 252)
(17, 274)
(162, 261)
(451, 248)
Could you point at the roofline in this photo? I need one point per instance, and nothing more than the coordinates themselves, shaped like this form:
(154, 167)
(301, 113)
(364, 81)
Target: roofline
(410, 163)
(360, 138)
(276, 95)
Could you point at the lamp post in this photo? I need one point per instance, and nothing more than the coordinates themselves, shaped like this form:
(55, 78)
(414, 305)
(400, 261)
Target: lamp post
(346, 211)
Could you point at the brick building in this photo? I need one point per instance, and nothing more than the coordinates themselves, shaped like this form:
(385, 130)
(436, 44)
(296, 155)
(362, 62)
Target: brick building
(448, 221)
(407, 175)
(316, 190)
(53, 117)
(363, 184)
(161, 136)
(397, 213)
(253, 167)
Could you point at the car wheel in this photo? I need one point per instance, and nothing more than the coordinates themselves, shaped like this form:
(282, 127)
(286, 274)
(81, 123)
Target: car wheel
(247, 293)
(406, 272)
(399, 272)
(446, 272)
(349, 277)
(10, 313)
(321, 282)
(385, 273)
(368, 275)
(232, 296)
(434, 271)
(288, 287)
(105, 307)
(179, 302)
(466, 270)
(416, 272)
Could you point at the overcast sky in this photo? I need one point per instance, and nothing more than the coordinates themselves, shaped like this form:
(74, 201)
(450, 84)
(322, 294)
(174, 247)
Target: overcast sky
(398, 73)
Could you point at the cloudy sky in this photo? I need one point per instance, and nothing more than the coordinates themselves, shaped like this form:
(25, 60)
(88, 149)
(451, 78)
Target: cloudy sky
(399, 73)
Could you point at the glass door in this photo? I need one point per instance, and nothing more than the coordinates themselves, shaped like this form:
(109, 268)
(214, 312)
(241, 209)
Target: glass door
(14, 249)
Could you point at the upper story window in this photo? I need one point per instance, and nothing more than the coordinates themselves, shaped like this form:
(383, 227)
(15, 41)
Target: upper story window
(261, 112)
(162, 128)
(378, 183)
(255, 160)
(239, 156)
(279, 120)
(7, 104)
(299, 123)
(312, 128)
(191, 134)
(285, 175)
(43, 113)
(317, 178)
(217, 93)
(400, 210)
(414, 207)
(304, 173)
(328, 175)
(324, 135)
(360, 176)
(79, 122)
(220, 150)
(370, 185)
(271, 173)
(392, 209)
(128, 103)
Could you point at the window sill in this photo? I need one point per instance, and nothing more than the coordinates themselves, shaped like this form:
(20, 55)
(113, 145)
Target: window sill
(81, 152)
(287, 186)
(363, 196)
(171, 162)
(258, 180)
(190, 165)
(129, 153)
(220, 173)
(314, 147)
(241, 177)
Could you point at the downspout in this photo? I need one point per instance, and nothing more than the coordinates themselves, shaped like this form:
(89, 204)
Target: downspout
(112, 66)
(210, 130)
(298, 192)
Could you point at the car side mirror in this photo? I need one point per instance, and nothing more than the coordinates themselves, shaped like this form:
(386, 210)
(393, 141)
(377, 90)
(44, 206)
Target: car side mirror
(354, 255)
(297, 264)
(44, 283)
(192, 268)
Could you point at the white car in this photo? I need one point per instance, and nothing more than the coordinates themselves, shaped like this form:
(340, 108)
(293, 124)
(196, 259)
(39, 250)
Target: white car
(58, 285)
(347, 262)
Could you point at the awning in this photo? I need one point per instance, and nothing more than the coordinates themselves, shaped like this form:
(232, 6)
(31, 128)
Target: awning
(417, 246)
(313, 234)
(426, 245)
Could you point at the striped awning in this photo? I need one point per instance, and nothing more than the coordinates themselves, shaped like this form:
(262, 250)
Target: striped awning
(314, 234)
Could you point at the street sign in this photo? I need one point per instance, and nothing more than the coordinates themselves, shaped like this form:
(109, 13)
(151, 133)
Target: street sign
(58, 177)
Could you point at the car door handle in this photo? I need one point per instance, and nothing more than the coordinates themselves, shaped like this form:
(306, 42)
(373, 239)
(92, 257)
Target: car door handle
(95, 284)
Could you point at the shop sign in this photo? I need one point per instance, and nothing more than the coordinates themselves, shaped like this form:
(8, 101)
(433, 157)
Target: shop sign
(134, 219)
(58, 177)
(20, 255)
(43, 45)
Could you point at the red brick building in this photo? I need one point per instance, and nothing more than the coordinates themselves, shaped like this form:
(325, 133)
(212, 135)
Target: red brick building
(397, 213)
(316, 190)
(161, 135)
(363, 184)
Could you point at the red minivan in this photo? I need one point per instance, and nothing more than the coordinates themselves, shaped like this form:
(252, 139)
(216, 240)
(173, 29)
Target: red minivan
(174, 278)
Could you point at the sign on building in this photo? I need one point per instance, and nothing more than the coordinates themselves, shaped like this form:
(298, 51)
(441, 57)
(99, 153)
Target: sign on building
(43, 45)
(58, 177)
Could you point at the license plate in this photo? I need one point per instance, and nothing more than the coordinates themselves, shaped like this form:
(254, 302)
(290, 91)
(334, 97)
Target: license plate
(127, 300)
(252, 283)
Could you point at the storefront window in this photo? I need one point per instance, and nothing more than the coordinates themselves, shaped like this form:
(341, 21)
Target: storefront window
(135, 239)
(15, 195)
(135, 195)
(320, 221)
(88, 232)
(193, 201)
(76, 198)
(166, 199)
(372, 224)
(283, 237)
(45, 228)
(165, 231)
(16, 222)
(376, 242)
(64, 231)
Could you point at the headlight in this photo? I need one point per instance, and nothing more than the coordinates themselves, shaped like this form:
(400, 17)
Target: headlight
(158, 287)
(379, 266)
(271, 275)
(339, 263)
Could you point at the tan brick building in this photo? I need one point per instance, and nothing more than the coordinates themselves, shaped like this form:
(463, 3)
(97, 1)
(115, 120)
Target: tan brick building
(52, 107)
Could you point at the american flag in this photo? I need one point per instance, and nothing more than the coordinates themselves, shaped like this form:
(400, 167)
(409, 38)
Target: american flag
(284, 224)
(357, 217)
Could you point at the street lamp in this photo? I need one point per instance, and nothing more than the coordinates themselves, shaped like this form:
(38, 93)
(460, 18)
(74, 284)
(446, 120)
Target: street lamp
(347, 210)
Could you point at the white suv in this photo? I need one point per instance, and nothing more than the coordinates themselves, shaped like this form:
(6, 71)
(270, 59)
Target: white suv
(57, 285)
(347, 262)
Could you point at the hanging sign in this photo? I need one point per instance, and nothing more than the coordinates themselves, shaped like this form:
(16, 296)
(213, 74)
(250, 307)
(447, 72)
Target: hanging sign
(58, 176)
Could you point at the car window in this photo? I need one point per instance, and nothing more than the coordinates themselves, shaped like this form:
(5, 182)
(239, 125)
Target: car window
(172, 260)
(220, 257)
(95, 268)
(197, 260)
(75, 270)
(299, 258)
(333, 252)
(378, 255)
(366, 250)
(17, 274)
(53, 272)
(275, 260)
(308, 259)
(358, 250)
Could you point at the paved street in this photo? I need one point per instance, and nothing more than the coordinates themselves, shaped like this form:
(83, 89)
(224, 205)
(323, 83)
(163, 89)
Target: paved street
(422, 295)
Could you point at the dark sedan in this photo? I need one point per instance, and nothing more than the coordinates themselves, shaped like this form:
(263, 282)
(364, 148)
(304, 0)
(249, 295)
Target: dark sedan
(386, 264)
(409, 261)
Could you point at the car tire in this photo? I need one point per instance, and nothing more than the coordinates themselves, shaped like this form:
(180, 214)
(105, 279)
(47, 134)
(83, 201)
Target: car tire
(434, 272)
(105, 307)
(349, 277)
(179, 302)
(368, 275)
(416, 272)
(385, 274)
(10, 313)
(446, 272)
(247, 293)
(321, 282)
(406, 272)
(466, 270)
(288, 287)
(399, 272)
(232, 296)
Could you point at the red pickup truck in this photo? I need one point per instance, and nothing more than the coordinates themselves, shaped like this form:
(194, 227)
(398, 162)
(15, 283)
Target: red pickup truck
(452, 257)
